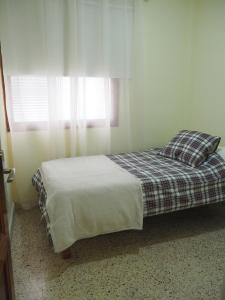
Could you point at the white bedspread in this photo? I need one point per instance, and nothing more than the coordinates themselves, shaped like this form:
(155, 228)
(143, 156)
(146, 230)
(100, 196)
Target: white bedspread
(89, 196)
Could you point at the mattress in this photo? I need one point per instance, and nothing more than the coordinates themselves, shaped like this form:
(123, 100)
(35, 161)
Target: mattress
(167, 185)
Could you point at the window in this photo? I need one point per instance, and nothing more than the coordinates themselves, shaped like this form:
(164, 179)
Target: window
(92, 99)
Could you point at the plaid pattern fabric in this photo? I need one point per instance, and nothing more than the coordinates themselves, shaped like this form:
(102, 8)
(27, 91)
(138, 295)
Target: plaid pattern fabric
(42, 197)
(191, 147)
(167, 185)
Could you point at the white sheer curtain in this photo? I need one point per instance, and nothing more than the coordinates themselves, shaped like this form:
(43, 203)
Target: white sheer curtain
(69, 66)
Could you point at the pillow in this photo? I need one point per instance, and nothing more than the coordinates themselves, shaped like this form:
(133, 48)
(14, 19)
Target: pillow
(191, 147)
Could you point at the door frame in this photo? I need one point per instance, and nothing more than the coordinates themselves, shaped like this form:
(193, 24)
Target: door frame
(5, 250)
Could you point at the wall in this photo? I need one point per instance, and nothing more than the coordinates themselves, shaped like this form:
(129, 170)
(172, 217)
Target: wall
(5, 146)
(208, 86)
(184, 77)
(159, 105)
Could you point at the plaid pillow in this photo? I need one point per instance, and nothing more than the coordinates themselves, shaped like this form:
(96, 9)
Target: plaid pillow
(191, 147)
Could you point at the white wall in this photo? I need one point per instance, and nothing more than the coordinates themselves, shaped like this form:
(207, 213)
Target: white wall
(159, 107)
(208, 74)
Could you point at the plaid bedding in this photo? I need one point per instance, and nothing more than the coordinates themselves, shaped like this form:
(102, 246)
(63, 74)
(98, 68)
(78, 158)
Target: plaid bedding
(167, 185)
(42, 197)
(191, 147)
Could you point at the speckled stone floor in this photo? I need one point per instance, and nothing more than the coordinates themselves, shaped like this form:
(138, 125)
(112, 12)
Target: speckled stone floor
(176, 256)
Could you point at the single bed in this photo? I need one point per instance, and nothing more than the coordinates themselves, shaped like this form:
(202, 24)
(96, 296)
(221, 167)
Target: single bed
(167, 185)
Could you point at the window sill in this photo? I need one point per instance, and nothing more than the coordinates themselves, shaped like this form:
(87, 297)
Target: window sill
(35, 126)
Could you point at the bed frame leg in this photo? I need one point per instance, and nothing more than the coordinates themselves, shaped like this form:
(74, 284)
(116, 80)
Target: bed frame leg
(66, 254)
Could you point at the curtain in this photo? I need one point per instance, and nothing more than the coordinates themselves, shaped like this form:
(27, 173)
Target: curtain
(69, 67)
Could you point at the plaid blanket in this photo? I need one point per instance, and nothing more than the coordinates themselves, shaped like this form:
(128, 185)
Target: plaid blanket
(167, 185)
(42, 197)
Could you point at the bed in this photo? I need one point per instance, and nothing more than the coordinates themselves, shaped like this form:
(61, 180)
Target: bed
(166, 184)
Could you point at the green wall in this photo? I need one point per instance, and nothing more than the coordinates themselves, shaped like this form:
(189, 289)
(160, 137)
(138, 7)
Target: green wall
(208, 73)
(159, 106)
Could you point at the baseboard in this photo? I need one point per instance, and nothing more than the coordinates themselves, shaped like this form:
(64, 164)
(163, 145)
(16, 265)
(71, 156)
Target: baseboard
(11, 220)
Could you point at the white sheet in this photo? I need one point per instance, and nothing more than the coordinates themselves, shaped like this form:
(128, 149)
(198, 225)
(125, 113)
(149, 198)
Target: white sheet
(89, 196)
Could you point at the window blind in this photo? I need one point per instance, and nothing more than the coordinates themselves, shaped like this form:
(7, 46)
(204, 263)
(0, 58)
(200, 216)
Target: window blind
(30, 99)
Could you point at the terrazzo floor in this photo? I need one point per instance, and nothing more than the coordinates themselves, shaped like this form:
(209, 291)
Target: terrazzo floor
(176, 256)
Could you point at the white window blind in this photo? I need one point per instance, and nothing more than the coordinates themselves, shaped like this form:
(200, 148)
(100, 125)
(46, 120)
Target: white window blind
(94, 92)
(29, 100)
